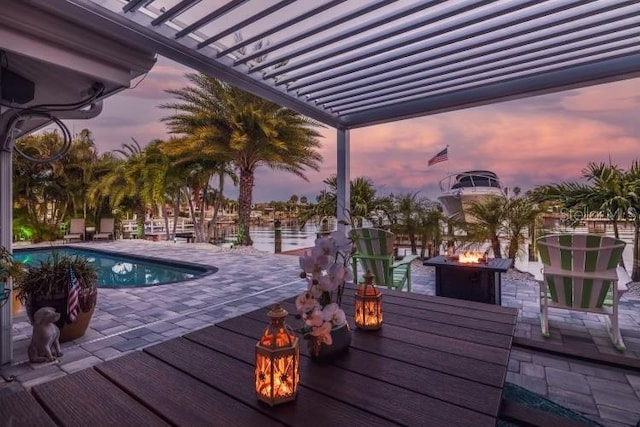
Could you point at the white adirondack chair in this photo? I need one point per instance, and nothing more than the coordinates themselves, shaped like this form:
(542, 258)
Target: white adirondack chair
(581, 272)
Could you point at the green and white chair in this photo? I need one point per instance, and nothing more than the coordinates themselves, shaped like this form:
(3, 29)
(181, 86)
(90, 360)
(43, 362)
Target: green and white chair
(581, 272)
(374, 252)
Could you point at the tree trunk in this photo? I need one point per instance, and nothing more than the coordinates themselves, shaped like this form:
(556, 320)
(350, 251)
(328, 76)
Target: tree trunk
(514, 245)
(176, 212)
(616, 234)
(140, 214)
(165, 215)
(495, 245)
(201, 227)
(635, 271)
(217, 206)
(244, 202)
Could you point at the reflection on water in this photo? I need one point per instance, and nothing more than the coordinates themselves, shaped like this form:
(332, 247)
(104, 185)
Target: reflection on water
(264, 236)
(116, 271)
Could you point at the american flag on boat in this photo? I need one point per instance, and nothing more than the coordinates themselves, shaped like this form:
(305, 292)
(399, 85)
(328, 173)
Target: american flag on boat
(440, 157)
(73, 301)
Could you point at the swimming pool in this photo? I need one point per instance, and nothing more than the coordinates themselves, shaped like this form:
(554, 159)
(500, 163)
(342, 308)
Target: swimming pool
(117, 270)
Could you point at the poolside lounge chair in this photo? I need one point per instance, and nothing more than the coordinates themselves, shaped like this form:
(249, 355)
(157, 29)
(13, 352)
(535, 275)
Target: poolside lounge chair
(581, 272)
(106, 229)
(375, 254)
(76, 230)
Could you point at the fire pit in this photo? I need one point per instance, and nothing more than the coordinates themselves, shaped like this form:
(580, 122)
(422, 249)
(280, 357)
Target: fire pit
(470, 276)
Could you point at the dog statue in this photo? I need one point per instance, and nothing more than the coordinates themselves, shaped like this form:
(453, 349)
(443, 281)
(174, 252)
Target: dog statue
(45, 341)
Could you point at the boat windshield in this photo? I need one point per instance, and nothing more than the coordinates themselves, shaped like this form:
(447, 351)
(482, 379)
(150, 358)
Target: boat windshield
(471, 179)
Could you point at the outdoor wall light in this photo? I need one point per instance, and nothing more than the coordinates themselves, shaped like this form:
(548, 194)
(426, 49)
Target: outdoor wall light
(277, 360)
(368, 304)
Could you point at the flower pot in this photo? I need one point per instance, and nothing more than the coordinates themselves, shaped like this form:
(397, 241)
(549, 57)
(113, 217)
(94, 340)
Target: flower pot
(341, 340)
(68, 331)
(17, 305)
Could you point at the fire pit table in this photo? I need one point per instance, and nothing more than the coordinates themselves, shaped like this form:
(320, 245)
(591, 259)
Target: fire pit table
(475, 281)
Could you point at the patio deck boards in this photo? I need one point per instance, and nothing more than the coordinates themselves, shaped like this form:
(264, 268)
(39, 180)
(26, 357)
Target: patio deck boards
(430, 364)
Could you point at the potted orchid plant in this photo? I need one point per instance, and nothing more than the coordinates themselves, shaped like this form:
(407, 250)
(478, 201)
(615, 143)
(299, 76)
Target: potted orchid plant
(326, 268)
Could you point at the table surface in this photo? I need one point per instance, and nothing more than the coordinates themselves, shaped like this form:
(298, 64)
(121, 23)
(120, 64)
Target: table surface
(501, 265)
(436, 361)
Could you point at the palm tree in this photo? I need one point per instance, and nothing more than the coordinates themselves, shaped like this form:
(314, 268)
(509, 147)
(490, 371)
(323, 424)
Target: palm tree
(197, 172)
(123, 184)
(520, 214)
(408, 208)
(604, 194)
(610, 192)
(247, 130)
(487, 220)
(632, 189)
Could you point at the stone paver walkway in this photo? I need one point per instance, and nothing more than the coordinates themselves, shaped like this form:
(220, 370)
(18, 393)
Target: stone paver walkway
(131, 319)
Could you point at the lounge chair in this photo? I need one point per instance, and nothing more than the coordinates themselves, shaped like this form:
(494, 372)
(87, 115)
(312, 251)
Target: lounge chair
(375, 254)
(581, 272)
(76, 230)
(106, 229)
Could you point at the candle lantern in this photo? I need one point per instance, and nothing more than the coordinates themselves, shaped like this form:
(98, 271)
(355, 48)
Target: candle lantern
(368, 305)
(277, 360)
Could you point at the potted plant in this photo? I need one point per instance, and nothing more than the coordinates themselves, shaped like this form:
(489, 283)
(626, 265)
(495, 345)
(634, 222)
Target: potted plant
(66, 283)
(9, 268)
(326, 269)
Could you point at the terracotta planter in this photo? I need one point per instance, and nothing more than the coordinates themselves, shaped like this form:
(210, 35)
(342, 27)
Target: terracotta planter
(68, 331)
(17, 305)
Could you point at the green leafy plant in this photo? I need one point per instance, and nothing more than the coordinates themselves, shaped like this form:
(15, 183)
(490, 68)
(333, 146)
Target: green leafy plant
(8, 266)
(51, 277)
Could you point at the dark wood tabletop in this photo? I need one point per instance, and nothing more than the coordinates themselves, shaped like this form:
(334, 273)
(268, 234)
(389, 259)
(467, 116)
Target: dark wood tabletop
(436, 361)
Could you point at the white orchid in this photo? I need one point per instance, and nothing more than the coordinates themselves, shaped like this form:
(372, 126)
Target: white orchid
(326, 268)
(323, 333)
(334, 314)
(314, 318)
(306, 302)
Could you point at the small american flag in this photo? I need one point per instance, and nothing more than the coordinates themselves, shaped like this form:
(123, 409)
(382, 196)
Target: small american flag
(73, 303)
(440, 157)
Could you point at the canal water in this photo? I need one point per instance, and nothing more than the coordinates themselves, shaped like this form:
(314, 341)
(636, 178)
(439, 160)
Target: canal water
(263, 236)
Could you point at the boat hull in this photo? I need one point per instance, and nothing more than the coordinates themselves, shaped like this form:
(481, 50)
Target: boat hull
(456, 205)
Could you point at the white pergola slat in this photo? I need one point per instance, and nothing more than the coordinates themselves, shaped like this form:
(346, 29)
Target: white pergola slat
(354, 63)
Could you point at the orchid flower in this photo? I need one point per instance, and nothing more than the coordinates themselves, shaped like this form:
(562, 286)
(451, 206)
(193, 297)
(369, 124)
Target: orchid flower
(306, 302)
(326, 268)
(323, 333)
(334, 314)
(314, 318)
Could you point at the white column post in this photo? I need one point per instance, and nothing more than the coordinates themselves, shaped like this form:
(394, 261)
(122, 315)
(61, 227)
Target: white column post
(344, 179)
(6, 205)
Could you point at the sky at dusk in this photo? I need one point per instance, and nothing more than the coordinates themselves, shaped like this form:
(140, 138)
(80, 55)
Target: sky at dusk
(526, 142)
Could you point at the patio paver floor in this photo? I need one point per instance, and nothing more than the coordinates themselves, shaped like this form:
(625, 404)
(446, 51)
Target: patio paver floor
(127, 320)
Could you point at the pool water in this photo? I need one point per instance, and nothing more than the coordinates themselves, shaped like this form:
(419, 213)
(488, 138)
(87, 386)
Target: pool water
(116, 270)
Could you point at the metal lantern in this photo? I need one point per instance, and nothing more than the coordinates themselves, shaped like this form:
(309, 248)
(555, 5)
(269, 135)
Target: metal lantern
(277, 360)
(368, 305)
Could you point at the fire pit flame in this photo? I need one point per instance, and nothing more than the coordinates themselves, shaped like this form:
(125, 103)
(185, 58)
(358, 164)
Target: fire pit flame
(470, 257)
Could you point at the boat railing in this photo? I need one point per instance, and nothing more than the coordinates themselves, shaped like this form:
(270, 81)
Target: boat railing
(469, 182)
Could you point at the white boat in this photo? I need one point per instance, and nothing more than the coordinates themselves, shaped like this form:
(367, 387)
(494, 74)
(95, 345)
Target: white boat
(460, 190)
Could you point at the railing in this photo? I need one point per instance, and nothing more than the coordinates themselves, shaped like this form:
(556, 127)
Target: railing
(157, 225)
(470, 180)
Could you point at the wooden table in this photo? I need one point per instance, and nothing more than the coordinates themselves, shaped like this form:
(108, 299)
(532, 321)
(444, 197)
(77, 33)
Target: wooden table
(436, 361)
(480, 282)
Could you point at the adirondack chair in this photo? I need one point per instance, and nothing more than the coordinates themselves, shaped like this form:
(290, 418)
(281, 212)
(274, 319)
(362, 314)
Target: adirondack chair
(375, 254)
(76, 230)
(106, 229)
(581, 272)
